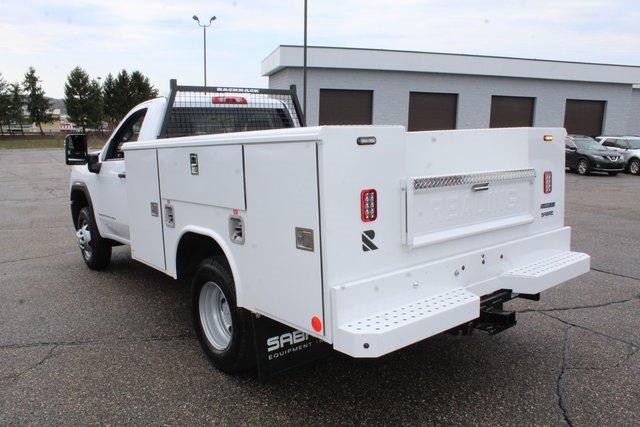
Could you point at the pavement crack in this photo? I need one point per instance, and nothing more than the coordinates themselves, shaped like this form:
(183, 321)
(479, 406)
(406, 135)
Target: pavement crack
(35, 257)
(46, 357)
(561, 381)
(578, 307)
(593, 331)
(98, 341)
(615, 274)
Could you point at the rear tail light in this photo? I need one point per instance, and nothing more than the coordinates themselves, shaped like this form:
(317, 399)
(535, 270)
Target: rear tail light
(548, 182)
(368, 205)
(228, 100)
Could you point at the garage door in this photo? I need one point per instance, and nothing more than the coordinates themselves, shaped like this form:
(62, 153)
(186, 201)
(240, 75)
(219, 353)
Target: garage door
(432, 111)
(584, 117)
(346, 107)
(511, 111)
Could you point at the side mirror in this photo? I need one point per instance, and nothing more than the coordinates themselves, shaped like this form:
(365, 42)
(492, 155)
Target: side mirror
(93, 162)
(75, 149)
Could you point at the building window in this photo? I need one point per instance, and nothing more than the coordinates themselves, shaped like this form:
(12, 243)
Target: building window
(584, 117)
(346, 107)
(432, 111)
(511, 111)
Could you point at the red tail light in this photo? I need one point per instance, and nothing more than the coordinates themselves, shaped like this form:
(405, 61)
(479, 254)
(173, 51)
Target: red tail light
(228, 100)
(368, 205)
(548, 182)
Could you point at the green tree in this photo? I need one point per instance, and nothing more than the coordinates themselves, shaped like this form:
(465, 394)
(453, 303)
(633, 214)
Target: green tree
(38, 105)
(122, 95)
(141, 88)
(124, 92)
(16, 102)
(95, 112)
(80, 98)
(4, 103)
(109, 100)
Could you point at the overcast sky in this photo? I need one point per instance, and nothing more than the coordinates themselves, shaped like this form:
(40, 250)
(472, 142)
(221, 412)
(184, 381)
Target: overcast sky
(160, 39)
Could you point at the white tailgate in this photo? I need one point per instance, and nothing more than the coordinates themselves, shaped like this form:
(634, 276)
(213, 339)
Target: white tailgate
(440, 208)
(145, 213)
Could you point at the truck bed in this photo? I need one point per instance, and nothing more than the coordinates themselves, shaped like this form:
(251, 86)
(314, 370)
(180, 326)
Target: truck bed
(460, 214)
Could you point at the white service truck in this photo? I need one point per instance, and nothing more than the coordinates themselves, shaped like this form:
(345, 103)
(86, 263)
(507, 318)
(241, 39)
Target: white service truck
(363, 239)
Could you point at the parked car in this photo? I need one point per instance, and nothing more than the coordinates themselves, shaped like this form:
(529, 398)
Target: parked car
(584, 155)
(628, 147)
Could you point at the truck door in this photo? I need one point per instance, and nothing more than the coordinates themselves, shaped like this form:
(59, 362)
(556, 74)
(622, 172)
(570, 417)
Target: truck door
(111, 207)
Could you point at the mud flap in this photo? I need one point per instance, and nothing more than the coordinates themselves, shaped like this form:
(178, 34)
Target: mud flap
(281, 349)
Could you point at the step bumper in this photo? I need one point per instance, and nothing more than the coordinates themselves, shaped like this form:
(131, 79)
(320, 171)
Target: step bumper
(383, 332)
(381, 329)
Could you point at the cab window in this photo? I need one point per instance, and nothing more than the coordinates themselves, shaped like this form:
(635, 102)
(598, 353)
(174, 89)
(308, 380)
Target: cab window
(128, 132)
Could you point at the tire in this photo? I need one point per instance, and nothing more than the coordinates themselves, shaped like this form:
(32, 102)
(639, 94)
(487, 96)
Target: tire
(613, 173)
(97, 251)
(634, 167)
(583, 167)
(212, 289)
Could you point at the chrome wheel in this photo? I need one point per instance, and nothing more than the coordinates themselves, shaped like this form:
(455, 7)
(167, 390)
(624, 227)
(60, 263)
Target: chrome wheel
(634, 167)
(582, 167)
(83, 238)
(215, 316)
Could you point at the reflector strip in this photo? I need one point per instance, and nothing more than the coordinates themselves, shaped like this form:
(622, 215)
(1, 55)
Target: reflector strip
(422, 183)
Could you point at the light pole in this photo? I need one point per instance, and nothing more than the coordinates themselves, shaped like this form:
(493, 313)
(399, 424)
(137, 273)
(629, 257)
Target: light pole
(304, 65)
(204, 34)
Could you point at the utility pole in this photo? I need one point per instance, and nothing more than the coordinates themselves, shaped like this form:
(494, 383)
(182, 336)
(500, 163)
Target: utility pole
(204, 38)
(304, 65)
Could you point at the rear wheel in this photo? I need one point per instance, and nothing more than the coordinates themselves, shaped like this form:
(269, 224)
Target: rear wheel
(583, 167)
(95, 250)
(634, 166)
(223, 329)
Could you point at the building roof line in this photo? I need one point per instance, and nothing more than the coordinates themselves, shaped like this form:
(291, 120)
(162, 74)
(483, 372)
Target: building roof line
(350, 58)
(473, 55)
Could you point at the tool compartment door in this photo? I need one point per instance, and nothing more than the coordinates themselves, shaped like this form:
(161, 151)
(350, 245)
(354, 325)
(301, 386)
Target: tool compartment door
(281, 264)
(145, 210)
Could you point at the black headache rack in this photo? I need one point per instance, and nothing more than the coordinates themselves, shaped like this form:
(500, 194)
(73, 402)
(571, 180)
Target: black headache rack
(205, 110)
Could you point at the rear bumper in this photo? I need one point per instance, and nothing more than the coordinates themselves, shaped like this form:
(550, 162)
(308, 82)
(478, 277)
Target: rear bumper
(379, 315)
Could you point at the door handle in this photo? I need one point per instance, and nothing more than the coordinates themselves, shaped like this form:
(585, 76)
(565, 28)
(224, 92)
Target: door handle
(480, 187)
(122, 175)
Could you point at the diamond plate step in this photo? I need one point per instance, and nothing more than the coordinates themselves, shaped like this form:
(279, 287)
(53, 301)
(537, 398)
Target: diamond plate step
(383, 332)
(545, 273)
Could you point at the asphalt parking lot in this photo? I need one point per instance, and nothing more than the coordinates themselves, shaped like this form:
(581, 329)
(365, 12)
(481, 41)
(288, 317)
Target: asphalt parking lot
(79, 347)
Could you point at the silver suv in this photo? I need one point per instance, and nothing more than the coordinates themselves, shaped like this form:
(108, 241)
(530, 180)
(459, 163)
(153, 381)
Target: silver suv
(628, 146)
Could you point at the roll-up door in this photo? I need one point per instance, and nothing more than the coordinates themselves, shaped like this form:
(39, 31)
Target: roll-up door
(346, 107)
(511, 111)
(584, 117)
(432, 111)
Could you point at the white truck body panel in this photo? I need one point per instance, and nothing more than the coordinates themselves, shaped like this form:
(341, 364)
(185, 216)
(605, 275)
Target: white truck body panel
(438, 248)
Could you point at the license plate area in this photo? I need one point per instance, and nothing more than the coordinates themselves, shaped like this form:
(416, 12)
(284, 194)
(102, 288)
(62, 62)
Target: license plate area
(448, 207)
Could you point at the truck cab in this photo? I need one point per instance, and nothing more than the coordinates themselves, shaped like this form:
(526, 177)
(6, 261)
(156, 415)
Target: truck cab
(221, 110)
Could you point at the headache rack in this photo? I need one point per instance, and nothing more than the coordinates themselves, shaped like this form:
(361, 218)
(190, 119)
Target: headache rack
(204, 110)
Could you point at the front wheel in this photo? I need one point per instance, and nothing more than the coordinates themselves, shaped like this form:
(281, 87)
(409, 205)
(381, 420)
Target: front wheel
(634, 166)
(223, 329)
(583, 167)
(95, 250)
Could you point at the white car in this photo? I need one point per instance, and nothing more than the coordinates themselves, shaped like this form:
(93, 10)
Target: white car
(628, 146)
